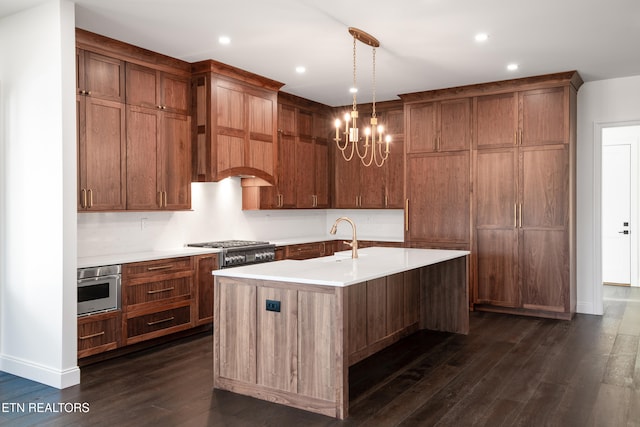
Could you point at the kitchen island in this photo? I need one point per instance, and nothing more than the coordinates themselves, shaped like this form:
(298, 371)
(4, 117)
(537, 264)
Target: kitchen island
(287, 331)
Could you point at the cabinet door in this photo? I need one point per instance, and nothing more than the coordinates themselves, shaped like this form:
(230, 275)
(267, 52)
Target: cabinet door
(277, 339)
(174, 93)
(421, 132)
(455, 125)
(438, 197)
(142, 163)
(287, 168)
(100, 76)
(175, 161)
(321, 159)
(372, 185)
(142, 84)
(394, 176)
(262, 116)
(544, 219)
(305, 172)
(496, 120)
(346, 190)
(204, 265)
(544, 116)
(322, 127)
(237, 330)
(101, 154)
(496, 242)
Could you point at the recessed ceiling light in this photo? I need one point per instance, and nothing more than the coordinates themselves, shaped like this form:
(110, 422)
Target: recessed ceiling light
(512, 67)
(300, 69)
(481, 37)
(353, 90)
(224, 40)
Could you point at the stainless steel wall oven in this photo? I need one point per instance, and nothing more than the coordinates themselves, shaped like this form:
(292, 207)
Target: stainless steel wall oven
(99, 289)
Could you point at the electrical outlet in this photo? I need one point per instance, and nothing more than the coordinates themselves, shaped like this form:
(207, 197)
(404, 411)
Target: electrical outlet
(143, 223)
(273, 305)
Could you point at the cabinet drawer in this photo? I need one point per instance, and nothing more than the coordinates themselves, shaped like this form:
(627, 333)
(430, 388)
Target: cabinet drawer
(305, 250)
(159, 323)
(176, 287)
(98, 333)
(157, 267)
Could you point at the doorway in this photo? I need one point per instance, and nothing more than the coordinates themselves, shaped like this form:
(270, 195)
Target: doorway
(620, 182)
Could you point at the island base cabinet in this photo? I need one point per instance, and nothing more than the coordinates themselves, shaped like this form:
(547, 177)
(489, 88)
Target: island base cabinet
(280, 342)
(292, 343)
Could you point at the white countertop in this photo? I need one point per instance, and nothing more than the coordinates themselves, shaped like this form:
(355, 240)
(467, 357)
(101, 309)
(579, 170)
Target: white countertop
(123, 258)
(340, 269)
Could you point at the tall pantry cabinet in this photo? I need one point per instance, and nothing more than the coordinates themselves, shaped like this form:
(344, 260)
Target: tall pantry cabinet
(490, 168)
(524, 198)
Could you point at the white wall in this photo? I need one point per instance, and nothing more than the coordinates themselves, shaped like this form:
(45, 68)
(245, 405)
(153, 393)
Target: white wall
(600, 103)
(217, 215)
(38, 180)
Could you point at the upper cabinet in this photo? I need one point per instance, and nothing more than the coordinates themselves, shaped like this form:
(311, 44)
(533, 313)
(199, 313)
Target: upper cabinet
(101, 132)
(150, 88)
(235, 127)
(303, 171)
(134, 127)
(439, 126)
(372, 187)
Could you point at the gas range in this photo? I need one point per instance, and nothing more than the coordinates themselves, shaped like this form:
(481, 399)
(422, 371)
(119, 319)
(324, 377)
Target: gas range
(235, 253)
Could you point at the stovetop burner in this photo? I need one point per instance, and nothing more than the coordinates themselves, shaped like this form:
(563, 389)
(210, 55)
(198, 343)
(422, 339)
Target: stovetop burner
(240, 252)
(224, 244)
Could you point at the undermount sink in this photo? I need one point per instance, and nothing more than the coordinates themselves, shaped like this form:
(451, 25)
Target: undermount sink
(339, 256)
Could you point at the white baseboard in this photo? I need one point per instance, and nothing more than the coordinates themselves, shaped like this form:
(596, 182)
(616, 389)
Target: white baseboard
(43, 374)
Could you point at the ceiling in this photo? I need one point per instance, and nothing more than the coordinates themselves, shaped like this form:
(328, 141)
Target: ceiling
(424, 44)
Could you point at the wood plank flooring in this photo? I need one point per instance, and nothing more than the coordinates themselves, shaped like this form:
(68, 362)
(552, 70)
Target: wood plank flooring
(509, 371)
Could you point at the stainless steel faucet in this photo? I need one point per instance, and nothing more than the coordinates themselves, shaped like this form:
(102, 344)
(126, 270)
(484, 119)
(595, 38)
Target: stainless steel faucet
(354, 241)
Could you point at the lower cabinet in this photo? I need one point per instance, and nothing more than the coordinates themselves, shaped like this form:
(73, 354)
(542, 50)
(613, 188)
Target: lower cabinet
(381, 311)
(308, 250)
(159, 297)
(150, 323)
(99, 333)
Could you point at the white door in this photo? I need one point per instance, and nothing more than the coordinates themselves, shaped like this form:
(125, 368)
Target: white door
(616, 213)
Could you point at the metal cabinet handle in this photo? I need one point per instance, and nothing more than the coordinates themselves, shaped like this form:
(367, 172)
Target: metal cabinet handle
(520, 216)
(86, 337)
(157, 291)
(90, 192)
(157, 322)
(160, 267)
(406, 215)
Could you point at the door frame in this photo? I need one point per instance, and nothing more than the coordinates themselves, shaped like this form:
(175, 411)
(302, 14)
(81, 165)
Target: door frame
(596, 268)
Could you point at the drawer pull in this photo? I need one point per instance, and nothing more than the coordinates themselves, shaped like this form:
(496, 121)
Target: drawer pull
(86, 337)
(157, 322)
(160, 290)
(160, 267)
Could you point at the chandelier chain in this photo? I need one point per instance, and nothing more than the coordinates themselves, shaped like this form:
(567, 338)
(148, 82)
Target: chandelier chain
(373, 114)
(354, 88)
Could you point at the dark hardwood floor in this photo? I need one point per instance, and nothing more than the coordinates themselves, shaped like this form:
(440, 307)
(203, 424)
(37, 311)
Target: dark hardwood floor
(509, 371)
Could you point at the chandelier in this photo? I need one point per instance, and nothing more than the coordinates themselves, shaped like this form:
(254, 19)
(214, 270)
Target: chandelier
(374, 137)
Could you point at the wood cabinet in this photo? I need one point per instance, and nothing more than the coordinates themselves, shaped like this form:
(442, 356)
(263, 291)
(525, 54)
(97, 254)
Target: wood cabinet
(235, 127)
(203, 283)
(439, 126)
(372, 187)
(134, 132)
(98, 333)
(437, 211)
(381, 311)
(524, 202)
(302, 179)
(101, 132)
(151, 88)
(157, 298)
(274, 354)
(158, 160)
(308, 250)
